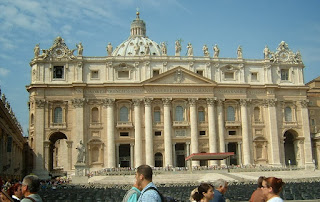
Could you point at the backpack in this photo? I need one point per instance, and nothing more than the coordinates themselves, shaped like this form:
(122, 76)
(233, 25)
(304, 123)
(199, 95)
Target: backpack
(163, 198)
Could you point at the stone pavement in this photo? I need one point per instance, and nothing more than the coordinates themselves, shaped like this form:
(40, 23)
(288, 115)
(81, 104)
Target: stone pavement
(210, 176)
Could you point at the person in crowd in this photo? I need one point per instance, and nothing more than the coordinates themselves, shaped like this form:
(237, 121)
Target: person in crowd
(30, 188)
(203, 193)
(15, 191)
(133, 194)
(257, 195)
(271, 189)
(221, 188)
(4, 196)
(144, 180)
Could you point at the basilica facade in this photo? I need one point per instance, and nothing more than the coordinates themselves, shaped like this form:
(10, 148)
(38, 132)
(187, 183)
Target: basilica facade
(139, 105)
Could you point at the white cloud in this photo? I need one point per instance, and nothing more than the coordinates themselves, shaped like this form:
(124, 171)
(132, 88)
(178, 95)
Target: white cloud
(4, 72)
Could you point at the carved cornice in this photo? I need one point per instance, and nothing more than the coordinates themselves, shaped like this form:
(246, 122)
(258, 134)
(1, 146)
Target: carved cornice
(108, 102)
(192, 101)
(166, 101)
(40, 103)
(78, 102)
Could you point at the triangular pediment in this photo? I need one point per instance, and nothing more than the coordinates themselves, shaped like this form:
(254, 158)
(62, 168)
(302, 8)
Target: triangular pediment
(179, 76)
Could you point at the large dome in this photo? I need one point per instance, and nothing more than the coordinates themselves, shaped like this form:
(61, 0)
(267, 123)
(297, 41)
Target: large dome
(138, 44)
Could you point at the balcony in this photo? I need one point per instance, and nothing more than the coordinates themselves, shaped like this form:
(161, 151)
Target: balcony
(157, 124)
(180, 124)
(290, 124)
(257, 123)
(94, 125)
(58, 125)
(233, 124)
(124, 124)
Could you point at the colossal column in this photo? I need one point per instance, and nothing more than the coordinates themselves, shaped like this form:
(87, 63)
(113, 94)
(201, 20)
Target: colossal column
(111, 152)
(245, 132)
(221, 129)
(148, 132)
(212, 128)
(306, 134)
(167, 132)
(194, 128)
(137, 133)
(39, 167)
(273, 132)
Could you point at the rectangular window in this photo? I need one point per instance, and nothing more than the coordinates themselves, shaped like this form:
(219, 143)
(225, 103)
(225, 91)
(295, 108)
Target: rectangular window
(157, 133)
(201, 116)
(94, 74)
(232, 132)
(313, 122)
(58, 72)
(284, 74)
(123, 74)
(155, 72)
(124, 134)
(229, 75)
(157, 118)
(202, 132)
(200, 72)
(254, 76)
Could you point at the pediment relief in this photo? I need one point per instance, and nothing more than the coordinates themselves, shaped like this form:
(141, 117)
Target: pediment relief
(230, 68)
(259, 139)
(123, 66)
(179, 76)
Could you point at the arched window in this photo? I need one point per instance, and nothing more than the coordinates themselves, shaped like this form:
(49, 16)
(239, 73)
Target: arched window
(58, 115)
(95, 114)
(256, 114)
(201, 115)
(179, 113)
(157, 115)
(95, 155)
(124, 114)
(230, 114)
(288, 114)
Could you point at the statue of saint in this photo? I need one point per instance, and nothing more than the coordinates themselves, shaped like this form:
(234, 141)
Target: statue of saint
(147, 49)
(81, 153)
(177, 48)
(216, 51)
(80, 49)
(109, 49)
(136, 49)
(205, 50)
(239, 52)
(36, 51)
(266, 52)
(190, 50)
(163, 48)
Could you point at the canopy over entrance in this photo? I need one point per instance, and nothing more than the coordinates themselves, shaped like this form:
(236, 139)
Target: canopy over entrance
(209, 156)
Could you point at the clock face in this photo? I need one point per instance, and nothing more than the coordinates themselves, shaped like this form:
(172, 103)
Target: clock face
(58, 52)
(284, 56)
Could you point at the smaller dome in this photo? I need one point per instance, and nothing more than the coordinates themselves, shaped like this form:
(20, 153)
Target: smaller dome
(137, 46)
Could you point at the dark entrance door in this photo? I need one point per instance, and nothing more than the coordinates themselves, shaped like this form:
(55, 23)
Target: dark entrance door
(180, 155)
(289, 151)
(124, 155)
(232, 147)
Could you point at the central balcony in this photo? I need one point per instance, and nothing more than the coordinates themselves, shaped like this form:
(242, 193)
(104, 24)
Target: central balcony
(124, 124)
(180, 124)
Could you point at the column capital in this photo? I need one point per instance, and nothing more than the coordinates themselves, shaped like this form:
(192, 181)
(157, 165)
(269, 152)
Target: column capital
(136, 102)
(166, 101)
(78, 102)
(244, 102)
(211, 101)
(46, 144)
(303, 103)
(108, 102)
(192, 101)
(148, 101)
(270, 102)
(40, 103)
(69, 144)
(220, 102)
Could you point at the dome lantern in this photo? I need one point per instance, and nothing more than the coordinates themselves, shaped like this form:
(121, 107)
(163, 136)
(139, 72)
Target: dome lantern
(138, 27)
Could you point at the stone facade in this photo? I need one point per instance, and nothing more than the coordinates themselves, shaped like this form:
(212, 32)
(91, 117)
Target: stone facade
(12, 144)
(139, 105)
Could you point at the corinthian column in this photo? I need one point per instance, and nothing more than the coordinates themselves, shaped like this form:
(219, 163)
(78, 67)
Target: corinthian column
(212, 128)
(221, 129)
(111, 150)
(273, 132)
(194, 128)
(245, 132)
(167, 132)
(137, 133)
(306, 134)
(148, 132)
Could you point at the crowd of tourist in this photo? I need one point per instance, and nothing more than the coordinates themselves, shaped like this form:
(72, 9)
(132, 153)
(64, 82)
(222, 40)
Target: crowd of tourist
(142, 190)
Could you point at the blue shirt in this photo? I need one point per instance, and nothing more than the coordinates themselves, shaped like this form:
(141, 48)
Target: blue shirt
(218, 196)
(149, 195)
(132, 195)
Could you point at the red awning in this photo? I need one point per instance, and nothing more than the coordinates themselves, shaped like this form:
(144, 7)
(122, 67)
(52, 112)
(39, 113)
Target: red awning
(209, 156)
